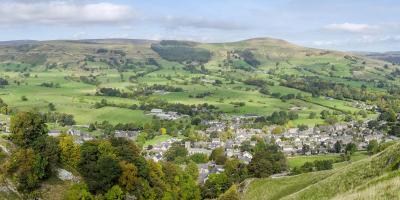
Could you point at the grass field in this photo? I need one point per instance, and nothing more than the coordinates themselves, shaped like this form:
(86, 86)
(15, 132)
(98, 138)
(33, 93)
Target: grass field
(363, 178)
(298, 161)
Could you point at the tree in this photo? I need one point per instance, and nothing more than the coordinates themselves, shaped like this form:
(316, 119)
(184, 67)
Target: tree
(307, 167)
(312, 115)
(48, 148)
(306, 148)
(259, 166)
(323, 164)
(199, 158)
(267, 160)
(108, 172)
(235, 170)
(52, 107)
(337, 147)
(277, 130)
(373, 147)
(218, 156)
(231, 194)
(175, 151)
(215, 185)
(163, 131)
(78, 192)
(192, 170)
(114, 193)
(350, 148)
(129, 175)
(28, 168)
(100, 172)
(69, 151)
(196, 121)
(302, 127)
(26, 127)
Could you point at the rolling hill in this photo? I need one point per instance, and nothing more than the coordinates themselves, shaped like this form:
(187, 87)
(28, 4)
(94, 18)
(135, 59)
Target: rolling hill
(213, 73)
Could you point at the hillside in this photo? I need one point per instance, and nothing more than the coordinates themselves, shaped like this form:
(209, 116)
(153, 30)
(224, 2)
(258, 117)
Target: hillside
(213, 73)
(392, 56)
(376, 177)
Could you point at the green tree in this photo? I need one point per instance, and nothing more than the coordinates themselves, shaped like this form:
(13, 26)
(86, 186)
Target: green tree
(350, 148)
(100, 172)
(26, 128)
(52, 107)
(78, 192)
(28, 168)
(218, 156)
(192, 170)
(199, 158)
(337, 147)
(235, 170)
(114, 193)
(215, 185)
(373, 147)
(175, 152)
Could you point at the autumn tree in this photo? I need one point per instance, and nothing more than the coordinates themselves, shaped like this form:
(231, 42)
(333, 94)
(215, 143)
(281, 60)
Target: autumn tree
(69, 151)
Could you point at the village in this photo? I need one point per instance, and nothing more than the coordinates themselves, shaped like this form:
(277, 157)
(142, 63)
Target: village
(292, 141)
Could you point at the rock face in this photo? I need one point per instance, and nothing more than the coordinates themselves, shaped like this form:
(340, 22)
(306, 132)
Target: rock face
(66, 175)
(3, 148)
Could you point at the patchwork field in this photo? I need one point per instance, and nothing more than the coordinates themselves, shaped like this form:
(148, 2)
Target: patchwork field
(129, 65)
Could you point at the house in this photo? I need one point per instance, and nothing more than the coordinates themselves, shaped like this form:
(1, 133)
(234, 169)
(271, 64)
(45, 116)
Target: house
(156, 111)
(245, 157)
(127, 134)
(192, 151)
(54, 133)
(207, 169)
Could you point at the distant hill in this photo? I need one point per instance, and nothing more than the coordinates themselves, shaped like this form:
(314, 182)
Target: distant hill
(262, 75)
(391, 56)
(18, 42)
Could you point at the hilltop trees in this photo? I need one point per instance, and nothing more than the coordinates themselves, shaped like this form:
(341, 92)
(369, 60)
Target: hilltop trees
(181, 52)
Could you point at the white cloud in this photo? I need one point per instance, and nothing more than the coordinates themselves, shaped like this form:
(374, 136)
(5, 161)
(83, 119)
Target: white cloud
(200, 23)
(351, 27)
(63, 12)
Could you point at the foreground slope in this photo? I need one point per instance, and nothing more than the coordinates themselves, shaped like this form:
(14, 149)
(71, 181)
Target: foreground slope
(376, 177)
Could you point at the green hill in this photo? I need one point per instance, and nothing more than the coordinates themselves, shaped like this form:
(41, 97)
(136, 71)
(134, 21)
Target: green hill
(376, 177)
(79, 68)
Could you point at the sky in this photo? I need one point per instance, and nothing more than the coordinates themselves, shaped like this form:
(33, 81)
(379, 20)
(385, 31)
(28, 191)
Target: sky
(349, 25)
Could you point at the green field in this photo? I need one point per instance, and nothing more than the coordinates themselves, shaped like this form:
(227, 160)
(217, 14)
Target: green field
(63, 63)
(298, 161)
(363, 178)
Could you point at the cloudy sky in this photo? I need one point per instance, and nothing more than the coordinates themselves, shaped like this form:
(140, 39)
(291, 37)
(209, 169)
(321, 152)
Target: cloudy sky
(361, 25)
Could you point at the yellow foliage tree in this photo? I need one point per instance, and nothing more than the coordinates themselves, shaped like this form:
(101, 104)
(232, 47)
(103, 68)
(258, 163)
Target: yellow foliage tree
(70, 153)
(163, 131)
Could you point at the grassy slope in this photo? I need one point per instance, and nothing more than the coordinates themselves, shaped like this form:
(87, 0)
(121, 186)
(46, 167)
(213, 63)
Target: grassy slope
(365, 178)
